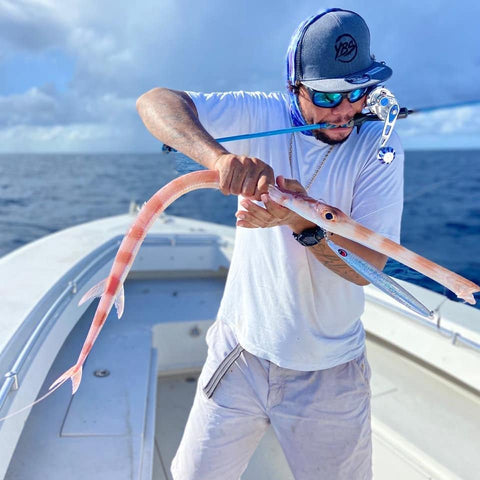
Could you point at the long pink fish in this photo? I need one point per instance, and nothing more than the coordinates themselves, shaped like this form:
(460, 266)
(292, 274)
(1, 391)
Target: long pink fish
(330, 218)
(334, 220)
(111, 289)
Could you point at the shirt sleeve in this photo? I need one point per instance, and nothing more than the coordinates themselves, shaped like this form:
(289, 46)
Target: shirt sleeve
(378, 192)
(225, 114)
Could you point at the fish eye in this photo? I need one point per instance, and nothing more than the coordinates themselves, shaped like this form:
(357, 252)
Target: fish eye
(329, 216)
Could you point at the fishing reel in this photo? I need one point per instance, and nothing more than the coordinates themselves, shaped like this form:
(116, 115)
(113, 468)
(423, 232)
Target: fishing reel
(384, 105)
(381, 105)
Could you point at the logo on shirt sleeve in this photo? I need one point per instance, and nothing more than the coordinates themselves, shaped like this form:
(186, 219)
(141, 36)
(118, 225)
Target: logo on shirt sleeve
(386, 155)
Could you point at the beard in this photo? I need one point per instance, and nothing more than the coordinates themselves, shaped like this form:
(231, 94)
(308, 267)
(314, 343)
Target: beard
(319, 135)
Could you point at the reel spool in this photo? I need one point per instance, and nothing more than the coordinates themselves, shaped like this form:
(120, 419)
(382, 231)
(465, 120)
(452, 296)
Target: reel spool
(384, 105)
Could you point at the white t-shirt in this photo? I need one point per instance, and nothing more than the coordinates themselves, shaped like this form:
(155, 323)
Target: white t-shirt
(282, 303)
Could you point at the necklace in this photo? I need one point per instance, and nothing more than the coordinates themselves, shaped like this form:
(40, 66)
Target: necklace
(320, 165)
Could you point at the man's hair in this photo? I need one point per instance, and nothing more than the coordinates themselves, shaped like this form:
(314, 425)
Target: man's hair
(295, 89)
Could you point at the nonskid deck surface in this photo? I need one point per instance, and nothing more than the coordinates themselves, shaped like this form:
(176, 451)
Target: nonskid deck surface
(64, 436)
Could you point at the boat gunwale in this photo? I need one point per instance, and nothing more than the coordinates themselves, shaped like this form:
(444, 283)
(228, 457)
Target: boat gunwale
(434, 324)
(70, 284)
(74, 280)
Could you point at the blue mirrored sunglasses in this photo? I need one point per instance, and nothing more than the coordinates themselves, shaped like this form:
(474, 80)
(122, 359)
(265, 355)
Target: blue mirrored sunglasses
(333, 99)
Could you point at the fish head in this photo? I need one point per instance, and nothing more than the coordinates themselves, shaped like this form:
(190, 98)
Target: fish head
(299, 203)
(316, 211)
(326, 216)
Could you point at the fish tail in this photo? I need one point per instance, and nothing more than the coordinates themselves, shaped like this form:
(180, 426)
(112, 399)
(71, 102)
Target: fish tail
(74, 374)
(466, 292)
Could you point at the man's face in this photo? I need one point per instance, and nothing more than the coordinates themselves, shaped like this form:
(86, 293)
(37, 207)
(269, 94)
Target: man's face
(338, 115)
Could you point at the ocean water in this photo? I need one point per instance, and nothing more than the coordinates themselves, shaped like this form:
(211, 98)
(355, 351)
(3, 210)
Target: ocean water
(40, 194)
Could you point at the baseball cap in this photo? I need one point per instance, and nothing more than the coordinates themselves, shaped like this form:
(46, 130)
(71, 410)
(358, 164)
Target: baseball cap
(333, 53)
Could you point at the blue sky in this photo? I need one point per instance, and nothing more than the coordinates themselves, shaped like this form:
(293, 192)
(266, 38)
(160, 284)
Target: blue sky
(71, 71)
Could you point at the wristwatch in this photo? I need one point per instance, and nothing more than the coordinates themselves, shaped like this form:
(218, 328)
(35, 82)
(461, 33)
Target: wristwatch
(309, 237)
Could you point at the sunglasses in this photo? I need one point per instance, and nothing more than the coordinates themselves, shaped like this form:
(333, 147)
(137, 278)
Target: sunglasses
(331, 100)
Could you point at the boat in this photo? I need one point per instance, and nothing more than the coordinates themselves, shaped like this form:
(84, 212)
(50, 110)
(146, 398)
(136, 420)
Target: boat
(127, 418)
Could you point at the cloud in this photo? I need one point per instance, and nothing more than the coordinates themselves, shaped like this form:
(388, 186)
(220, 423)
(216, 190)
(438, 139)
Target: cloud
(45, 106)
(445, 128)
(119, 49)
(37, 106)
(447, 121)
(66, 138)
(30, 25)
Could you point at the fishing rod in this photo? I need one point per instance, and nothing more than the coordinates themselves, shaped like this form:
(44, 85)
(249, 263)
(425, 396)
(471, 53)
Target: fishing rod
(357, 121)
(466, 103)
(381, 105)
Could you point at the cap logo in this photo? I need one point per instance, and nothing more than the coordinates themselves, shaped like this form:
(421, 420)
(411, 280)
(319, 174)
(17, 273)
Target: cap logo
(345, 48)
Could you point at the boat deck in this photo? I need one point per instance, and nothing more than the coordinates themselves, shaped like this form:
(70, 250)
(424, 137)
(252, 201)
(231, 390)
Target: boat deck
(425, 425)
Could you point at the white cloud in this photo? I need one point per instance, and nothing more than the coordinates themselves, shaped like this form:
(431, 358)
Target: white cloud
(30, 25)
(121, 49)
(88, 138)
(45, 106)
(33, 107)
(458, 127)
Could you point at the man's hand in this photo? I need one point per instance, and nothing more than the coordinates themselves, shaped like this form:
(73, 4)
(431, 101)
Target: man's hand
(247, 176)
(273, 214)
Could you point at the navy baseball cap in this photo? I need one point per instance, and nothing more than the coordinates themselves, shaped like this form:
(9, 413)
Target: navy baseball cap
(333, 54)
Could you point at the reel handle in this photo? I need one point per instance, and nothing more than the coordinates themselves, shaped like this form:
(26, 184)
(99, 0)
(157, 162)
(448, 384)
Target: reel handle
(384, 105)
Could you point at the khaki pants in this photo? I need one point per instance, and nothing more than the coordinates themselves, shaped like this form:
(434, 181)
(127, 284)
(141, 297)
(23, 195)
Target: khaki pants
(321, 418)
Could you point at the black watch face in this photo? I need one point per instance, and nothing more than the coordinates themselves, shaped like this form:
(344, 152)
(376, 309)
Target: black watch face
(309, 237)
(309, 241)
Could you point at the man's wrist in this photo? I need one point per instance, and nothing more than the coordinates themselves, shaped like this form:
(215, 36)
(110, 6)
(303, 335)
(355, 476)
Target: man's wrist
(303, 224)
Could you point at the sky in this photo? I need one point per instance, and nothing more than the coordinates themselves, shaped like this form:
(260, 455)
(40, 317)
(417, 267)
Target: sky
(71, 70)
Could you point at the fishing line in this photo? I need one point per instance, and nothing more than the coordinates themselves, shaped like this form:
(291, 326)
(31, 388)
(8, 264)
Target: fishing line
(34, 403)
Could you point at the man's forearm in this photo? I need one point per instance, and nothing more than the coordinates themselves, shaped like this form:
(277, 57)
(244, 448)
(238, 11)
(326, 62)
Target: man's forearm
(171, 117)
(324, 254)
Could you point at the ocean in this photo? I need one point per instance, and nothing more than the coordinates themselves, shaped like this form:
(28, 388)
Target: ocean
(40, 194)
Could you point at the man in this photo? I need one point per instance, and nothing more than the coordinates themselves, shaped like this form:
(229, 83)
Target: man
(287, 348)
